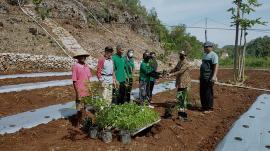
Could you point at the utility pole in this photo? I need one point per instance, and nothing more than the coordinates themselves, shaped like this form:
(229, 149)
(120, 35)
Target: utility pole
(205, 32)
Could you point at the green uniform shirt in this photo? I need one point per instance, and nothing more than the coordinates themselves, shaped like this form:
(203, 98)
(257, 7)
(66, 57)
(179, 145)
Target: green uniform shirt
(153, 63)
(145, 69)
(129, 66)
(119, 68)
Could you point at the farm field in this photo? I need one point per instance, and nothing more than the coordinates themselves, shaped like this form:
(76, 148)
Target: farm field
(201, 132)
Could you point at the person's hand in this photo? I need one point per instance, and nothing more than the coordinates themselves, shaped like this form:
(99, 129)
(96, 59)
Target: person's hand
(169, 75)
(116, 84)
(214, 79)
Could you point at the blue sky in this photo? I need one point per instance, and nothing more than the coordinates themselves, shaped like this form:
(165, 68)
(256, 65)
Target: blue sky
(194, 12)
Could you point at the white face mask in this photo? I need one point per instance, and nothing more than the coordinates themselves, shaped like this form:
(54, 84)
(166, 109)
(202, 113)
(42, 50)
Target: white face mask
(130, 54)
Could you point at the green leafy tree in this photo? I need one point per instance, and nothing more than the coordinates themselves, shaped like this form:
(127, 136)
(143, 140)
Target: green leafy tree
(240, 12)
(259, 47)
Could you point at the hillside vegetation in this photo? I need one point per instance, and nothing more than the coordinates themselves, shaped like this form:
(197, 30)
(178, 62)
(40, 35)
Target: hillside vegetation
(258, 52)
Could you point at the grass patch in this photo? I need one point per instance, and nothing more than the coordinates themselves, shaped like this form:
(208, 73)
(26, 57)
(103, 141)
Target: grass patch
(251, 62)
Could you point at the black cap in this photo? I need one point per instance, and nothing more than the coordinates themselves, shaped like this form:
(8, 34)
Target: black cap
(208, 44)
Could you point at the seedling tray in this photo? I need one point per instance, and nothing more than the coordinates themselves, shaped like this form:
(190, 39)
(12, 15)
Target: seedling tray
(145, 127)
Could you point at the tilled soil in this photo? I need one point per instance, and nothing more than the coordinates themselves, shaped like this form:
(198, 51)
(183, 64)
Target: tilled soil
(18, 71)
(201, 132)
(255, 78)
(31, 80)
(16, 102)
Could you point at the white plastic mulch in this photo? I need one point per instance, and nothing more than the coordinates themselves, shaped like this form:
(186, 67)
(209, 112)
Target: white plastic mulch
(36, 85)
(251, 132)
(34, 75)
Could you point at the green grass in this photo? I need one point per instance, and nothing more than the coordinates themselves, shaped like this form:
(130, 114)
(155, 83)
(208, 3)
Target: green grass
(251, 62)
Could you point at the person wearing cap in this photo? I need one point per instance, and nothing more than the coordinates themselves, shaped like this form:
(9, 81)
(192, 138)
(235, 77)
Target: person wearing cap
(129, 67)
(182, 84)
(154, 65)
(120, 74)
(105, 73)
(208, 76)
(81, 75)
(144, 79)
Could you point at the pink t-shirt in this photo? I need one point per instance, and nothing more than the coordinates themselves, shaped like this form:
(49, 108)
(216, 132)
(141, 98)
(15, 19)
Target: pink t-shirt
(81, 74)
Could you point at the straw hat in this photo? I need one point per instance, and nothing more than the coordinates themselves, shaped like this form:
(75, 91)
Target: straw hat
(80, 53)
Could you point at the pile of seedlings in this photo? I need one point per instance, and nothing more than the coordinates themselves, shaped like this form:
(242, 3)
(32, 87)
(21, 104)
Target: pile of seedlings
(123, 121)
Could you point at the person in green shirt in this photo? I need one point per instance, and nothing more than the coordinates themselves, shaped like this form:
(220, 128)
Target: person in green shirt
(129, 67)
(120, 74)
(154, 65)
(145, 70)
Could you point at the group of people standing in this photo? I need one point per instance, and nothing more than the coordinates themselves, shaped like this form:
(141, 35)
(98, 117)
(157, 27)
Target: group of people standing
(115, 72)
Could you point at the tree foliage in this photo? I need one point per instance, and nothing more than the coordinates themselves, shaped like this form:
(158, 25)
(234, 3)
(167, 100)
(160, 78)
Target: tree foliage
(240, 18)
(259, 47)
(172, 40)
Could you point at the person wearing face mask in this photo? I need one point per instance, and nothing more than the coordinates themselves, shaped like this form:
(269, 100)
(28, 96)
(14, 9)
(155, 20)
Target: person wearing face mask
(145, 70)
(183, 82)
(154, 65)
(129, 67)
(120, 74)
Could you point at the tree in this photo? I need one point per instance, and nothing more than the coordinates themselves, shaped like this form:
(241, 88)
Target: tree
(259, 47)
(240, 11)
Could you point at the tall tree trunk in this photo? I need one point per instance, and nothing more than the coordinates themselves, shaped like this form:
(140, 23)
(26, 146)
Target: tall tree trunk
(244, 56)
(236, 42)
(240, 56)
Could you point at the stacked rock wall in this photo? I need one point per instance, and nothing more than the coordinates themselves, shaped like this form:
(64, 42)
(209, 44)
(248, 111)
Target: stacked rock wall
(24, 62)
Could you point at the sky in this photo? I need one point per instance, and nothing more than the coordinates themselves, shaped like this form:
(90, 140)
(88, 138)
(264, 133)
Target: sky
(193, 13)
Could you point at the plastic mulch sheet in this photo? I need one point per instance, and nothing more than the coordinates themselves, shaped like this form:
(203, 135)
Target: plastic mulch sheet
(251, 132)
(34, 75)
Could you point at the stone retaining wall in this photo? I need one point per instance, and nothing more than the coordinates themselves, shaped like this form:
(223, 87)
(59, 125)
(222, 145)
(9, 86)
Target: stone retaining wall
(22, 62)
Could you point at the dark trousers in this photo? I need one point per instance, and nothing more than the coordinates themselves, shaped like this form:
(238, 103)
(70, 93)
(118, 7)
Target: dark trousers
(151, 87)
(128, 89)
(144, 92)
(120, 94)
(206, 94)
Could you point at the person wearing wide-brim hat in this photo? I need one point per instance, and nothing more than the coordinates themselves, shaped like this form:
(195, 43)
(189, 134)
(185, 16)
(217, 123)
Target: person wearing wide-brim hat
(81, 75)
(183, 82)
(208, 76)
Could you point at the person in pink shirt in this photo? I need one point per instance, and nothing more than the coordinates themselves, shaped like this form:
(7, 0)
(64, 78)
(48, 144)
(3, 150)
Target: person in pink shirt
(81, 75)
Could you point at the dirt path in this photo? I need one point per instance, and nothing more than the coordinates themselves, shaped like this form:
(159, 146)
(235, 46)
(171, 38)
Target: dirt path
(201, 133)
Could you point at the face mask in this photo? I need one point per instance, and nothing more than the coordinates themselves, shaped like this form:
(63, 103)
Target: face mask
(130, 54)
